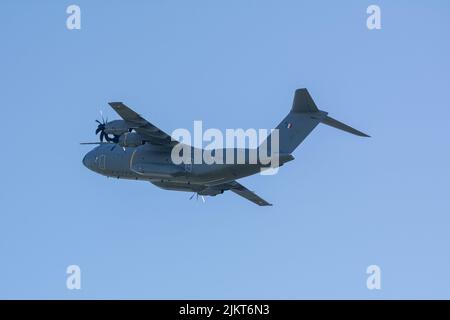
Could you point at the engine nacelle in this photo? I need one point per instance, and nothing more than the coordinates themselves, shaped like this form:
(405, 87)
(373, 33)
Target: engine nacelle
(116, 127)
(210, 192)
(130, 139)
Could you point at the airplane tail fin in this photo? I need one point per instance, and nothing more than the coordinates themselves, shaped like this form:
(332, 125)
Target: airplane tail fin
(301, 121)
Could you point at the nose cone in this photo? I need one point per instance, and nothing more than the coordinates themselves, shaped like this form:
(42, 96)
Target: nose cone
(88, 161)
(85, 162)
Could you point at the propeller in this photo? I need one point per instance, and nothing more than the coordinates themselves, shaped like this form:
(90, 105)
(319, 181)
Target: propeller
(101, 129)
(196, 194)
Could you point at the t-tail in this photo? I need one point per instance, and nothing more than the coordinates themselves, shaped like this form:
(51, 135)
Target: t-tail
(302, 119)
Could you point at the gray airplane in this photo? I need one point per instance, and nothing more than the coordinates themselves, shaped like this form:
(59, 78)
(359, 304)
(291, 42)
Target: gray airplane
(133, 148)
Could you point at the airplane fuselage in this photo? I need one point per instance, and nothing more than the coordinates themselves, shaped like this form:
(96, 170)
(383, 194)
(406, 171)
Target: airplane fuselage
(154, 163)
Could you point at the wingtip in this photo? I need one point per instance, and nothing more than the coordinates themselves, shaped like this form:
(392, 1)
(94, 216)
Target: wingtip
(364, 135)
(115, 103)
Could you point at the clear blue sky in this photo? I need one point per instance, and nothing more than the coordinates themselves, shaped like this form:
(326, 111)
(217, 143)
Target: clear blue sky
(344, 203)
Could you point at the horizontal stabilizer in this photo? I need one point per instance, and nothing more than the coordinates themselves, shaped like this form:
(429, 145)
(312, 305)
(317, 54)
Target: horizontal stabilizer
(329, 121)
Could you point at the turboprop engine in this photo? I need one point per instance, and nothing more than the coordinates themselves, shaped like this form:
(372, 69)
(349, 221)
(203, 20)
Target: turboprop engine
(130, 139)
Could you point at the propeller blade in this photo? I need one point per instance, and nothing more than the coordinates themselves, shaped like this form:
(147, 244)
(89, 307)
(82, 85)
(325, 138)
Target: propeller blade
(102, 135)
(192, 196)
(203, 198)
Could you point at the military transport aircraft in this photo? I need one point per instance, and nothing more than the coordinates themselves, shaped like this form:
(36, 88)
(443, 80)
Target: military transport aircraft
(136, 149)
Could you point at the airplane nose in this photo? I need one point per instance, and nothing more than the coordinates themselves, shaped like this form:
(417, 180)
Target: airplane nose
(90, 160)
(87, 161)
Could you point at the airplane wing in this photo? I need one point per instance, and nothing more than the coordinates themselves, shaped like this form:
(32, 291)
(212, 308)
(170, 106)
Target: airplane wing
(239, 189)
(147, 130)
